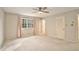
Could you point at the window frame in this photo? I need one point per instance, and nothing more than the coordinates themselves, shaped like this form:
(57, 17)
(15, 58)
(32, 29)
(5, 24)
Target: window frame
(27, 23)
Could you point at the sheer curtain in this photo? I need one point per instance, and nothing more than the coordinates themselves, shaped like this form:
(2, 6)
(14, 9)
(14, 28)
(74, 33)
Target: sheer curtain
(39, 26)
(19, 25)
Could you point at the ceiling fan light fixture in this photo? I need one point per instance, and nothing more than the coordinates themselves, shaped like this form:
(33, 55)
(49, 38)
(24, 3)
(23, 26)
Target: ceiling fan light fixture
(40, 12)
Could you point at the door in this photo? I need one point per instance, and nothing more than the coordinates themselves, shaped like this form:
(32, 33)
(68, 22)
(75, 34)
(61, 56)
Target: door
(60, 27)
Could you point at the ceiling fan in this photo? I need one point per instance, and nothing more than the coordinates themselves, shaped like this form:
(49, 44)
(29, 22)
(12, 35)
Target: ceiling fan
(41, 10)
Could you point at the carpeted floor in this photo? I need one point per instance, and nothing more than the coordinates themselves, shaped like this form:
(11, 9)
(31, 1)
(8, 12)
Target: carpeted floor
(40, 43)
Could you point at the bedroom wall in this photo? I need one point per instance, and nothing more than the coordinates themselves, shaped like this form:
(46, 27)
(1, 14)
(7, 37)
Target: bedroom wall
(50, 26)
(1, 26)
(10, 26)
(78, 26)
(11, 23)
(71, 25)
(53, 24)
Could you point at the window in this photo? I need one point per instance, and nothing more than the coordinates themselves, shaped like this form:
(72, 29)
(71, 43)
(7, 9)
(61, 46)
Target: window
(27, 23)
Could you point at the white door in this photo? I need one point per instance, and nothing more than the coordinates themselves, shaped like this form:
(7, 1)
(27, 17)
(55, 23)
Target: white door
(60, 27)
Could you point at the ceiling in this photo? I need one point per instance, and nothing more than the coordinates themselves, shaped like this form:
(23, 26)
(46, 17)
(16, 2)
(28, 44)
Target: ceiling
(30, 12)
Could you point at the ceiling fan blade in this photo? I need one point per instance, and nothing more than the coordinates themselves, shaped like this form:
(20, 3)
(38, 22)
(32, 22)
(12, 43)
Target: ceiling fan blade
(44, 8)
(34, 12)
(35, 9)
(45, 11)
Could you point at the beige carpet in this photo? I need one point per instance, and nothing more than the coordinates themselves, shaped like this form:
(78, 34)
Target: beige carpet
(40, 43)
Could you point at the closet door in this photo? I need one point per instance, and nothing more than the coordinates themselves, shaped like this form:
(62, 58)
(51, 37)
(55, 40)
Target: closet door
(60, 27)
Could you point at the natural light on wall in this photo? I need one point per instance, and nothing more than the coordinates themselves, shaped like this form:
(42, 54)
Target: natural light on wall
(78, 26)
(43, 26)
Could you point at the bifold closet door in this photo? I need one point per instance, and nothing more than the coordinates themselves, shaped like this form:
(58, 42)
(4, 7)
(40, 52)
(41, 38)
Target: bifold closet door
(60, 27)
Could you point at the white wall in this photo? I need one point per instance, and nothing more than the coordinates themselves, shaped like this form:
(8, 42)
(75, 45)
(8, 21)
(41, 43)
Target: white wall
(10, 26)
(1, 27)
(60, 27)
(51, 26)
(78, 26)
(71, 32)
